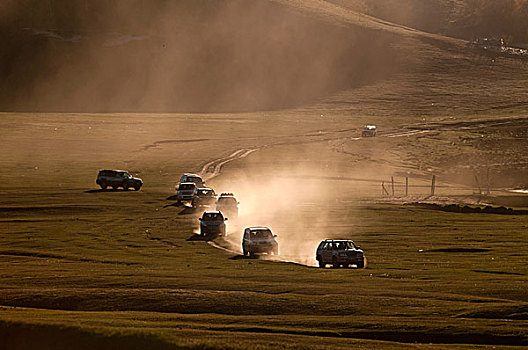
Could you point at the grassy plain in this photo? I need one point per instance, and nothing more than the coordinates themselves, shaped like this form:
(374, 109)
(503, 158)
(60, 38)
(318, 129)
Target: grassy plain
(119, 266)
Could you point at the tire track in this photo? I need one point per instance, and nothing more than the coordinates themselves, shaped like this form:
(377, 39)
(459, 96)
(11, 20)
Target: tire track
(214, 167)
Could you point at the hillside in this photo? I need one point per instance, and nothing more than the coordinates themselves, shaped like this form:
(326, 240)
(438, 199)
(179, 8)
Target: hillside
(211, 56)
(457, 18)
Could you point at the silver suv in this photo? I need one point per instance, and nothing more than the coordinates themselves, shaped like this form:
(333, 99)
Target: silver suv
(186, 191)
(212, 224)
(339, 253)
(116, 179)
(259, 240)
(368, 131)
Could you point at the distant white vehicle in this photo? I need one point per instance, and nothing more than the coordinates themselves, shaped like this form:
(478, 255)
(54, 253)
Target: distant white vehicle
(197, 179)
(368, 131)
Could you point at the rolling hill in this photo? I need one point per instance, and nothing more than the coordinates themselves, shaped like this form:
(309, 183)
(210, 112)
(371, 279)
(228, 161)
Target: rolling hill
(226, 55)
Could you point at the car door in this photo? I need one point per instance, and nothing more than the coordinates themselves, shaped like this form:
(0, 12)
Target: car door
(327, 252)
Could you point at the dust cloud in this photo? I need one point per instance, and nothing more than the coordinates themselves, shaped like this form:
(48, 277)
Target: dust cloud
(178, 56)
(295, 202)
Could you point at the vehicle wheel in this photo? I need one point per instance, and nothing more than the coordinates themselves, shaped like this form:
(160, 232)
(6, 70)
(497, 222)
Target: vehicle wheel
(125, 187)
(136, 188)
(244, 252)
(321, 263)
(361, 264)
(103, 185)
(115, 187)
(335, 264)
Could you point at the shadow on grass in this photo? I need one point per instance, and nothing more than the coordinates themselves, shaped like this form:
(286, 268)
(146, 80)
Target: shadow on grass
(176, 204)
(245, 257)
(196, 237)
(100, 190)
(460, 250)
(188, 211)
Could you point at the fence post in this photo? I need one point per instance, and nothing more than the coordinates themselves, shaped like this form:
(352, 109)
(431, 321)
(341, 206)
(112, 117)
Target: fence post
(392, 182)
(406, 186)
(383, 189)
(478, 184)
(488, 180)
(433, 184)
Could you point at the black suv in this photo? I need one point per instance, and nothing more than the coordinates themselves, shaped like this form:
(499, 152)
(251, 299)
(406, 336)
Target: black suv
(118, 178)
(212, 224)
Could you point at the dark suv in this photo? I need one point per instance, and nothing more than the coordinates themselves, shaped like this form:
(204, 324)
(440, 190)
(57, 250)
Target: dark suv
(118, 178)
(212, 224)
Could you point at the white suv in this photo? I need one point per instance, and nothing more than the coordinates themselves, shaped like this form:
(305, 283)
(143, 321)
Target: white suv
(339, 253)
(369, 131)
(197, 179)
(186, 191)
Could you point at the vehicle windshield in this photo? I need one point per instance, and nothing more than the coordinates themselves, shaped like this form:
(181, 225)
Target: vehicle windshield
(195, 179)
(124, 174)
(205, 193)
(264, 233)
(187, 187)
(227, 200)
(345, 245)
(213, 217)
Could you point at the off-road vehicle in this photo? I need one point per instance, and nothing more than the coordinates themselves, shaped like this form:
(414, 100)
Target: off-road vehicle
(116, 179)
(186, 191)
(368, 131)
(259, 240)
(203, 197)
(228, 204)
(339, 253)
(212, 224)
(197, 179)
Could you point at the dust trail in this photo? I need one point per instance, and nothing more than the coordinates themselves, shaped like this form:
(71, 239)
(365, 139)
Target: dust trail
(288, 201)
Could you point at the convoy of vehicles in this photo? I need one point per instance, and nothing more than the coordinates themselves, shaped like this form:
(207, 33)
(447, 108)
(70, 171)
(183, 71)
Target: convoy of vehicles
(259, 240)
(339, 253)
(116, 179)
(255, 240)
(212, 224)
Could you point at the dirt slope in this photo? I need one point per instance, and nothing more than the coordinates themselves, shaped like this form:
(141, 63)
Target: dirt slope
(227, 55)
